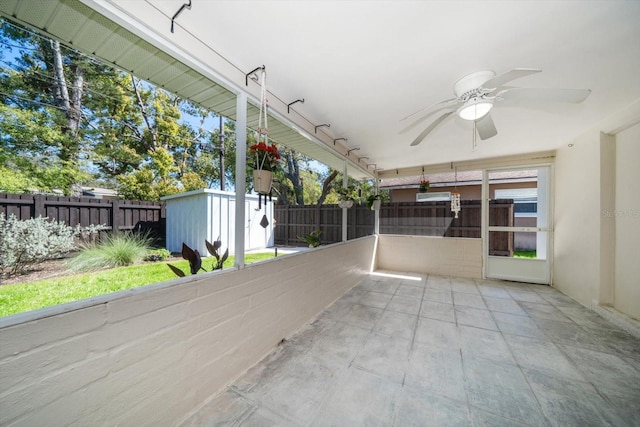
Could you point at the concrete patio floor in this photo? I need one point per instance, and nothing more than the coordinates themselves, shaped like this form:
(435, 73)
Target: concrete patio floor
(438, 352)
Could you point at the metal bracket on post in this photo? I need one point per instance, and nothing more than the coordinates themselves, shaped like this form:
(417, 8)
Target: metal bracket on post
(255, 78)
(340, 139)
(291, 103)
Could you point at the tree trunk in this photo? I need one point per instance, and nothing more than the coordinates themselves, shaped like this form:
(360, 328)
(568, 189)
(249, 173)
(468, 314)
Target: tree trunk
(293, 174)
(326, 186)
(70, 102)
(74, 113)
(60, 92)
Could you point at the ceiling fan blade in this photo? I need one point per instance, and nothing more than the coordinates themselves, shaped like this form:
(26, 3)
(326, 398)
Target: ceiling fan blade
(434, 107)
(503, 78)
(545, 95)
(425, 117)
(429, 128)
(485, 127)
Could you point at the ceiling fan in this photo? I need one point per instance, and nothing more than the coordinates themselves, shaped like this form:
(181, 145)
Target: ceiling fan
(476, 95)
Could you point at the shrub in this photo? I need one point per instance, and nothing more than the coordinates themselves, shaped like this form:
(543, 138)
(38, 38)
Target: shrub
(26, 243)
(157, 255)
(312, 239)
(114, 251)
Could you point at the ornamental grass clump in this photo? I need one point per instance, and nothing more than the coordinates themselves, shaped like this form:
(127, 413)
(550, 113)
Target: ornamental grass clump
(113, 251)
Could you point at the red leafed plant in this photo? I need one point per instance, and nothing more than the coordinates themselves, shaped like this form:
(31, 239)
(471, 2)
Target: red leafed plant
(265, 156)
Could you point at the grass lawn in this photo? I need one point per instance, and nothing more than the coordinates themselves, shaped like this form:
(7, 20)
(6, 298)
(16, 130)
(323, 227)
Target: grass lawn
(524, 254)
(23, 297)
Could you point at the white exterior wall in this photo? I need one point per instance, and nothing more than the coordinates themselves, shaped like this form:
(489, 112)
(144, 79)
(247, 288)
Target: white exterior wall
(448, 256)
(627, 222)
(576, 268)
(207, 214)
(150, 356)
(597, 216)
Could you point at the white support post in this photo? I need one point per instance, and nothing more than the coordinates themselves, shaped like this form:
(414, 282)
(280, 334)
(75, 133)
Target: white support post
(543, 213)
(345, 212)
(376, 213)
(241, 173)
(484, 221)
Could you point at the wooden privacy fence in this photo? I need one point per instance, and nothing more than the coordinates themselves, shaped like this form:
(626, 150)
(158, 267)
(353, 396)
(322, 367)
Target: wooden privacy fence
(412, 218)
(116, 215)
(294, 221)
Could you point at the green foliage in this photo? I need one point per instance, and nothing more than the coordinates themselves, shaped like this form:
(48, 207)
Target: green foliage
(26, 243)
(114, 251)
(14, 181)
(312, 239)
(157, 255)
(138, 185)
(348, 193)
(371, 199)
(192, 181)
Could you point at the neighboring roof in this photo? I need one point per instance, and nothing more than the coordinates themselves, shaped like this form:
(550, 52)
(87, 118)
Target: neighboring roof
(461, 178)
(96, 191)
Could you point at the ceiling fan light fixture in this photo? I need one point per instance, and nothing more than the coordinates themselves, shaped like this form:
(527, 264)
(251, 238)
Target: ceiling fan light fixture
(475, 109)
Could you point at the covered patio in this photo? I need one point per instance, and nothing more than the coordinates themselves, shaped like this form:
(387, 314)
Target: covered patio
(405, 350)
(384, 329)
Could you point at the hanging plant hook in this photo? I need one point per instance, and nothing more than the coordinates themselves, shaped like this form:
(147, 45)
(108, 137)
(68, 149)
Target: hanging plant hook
(322, 125)
(187, 6)
(291, 103)
(253, 73)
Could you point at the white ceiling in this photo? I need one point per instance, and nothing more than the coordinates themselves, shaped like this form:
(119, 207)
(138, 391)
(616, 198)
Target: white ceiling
(361, 66)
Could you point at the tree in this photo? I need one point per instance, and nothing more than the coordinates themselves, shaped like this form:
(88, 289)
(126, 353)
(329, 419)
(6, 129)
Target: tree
(41, 92)
(67, 119)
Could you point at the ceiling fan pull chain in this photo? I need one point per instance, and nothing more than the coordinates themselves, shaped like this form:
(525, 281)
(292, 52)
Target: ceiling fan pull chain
(475, 143)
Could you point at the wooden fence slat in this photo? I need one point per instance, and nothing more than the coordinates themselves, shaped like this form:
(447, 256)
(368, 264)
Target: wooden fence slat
(116, 214)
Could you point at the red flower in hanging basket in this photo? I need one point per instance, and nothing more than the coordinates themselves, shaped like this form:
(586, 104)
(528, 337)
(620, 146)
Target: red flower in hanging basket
(264, 156)
(424, 184)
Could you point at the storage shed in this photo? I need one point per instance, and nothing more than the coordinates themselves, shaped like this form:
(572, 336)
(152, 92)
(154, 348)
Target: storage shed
(207, 214)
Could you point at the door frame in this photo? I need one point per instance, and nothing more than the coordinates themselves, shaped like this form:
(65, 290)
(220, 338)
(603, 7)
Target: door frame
(518, 269)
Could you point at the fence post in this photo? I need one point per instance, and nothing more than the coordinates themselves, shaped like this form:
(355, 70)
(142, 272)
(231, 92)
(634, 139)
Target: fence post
(115, 217)
(318, 213)
(38, 206)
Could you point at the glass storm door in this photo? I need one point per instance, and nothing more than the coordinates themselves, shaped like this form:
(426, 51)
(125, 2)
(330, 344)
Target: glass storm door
(517, 233)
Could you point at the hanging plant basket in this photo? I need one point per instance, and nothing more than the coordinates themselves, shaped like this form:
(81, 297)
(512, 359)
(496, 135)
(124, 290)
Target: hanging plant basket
(345, 203)
(262, 180)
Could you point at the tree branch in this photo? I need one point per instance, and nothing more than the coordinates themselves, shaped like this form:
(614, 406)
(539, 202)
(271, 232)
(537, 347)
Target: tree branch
(145, 115)
(326, 186)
